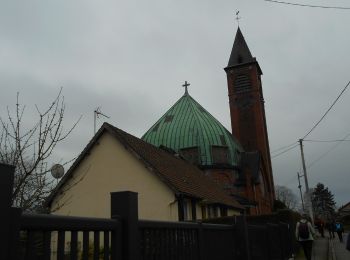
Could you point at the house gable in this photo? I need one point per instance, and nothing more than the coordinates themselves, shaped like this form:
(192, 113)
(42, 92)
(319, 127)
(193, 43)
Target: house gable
(109, 166)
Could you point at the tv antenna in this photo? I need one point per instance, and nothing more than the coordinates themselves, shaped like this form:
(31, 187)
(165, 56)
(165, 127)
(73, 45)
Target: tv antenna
(238, 17)
(97, 114)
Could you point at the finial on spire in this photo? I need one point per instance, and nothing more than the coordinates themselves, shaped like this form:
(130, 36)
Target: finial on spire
(237, 18)
(185, 86)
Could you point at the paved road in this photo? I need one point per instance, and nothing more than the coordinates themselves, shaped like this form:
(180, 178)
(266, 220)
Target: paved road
(340, 252)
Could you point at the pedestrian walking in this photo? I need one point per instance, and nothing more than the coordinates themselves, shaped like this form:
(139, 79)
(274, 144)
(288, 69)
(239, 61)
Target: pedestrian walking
(348, 242)
(339, 229)
(320, 227)
(330, 228)
(305, 233)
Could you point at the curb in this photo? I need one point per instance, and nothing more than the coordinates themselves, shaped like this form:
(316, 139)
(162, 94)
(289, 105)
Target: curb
(331, 252)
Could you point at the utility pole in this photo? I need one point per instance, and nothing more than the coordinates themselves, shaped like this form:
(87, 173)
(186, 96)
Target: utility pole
(308, 195)
(301, 193)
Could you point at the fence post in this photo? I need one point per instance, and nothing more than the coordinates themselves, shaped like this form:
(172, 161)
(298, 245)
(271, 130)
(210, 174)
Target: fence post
(6, 189)
(284, 239)
(201, 245)
(125, 205)
(242, 233)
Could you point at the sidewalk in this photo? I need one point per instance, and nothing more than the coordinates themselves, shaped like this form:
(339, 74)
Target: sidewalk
(319, 249)
(339, 251)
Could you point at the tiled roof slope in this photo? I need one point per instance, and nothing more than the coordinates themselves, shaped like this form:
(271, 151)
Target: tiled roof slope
(179, 175)
(187, 124)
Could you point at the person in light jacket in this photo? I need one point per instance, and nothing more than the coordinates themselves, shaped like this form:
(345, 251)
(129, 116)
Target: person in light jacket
(305, 234)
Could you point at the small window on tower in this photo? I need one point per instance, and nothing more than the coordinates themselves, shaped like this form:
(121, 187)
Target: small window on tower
(239, 59)
(242, 83)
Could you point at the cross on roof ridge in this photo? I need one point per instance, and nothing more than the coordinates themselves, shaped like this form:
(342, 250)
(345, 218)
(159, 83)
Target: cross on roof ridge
(185, 86)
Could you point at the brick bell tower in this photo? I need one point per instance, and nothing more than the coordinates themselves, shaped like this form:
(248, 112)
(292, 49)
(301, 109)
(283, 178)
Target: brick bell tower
(247, 111)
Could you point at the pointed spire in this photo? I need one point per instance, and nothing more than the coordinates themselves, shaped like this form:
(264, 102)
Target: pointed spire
(240, 52)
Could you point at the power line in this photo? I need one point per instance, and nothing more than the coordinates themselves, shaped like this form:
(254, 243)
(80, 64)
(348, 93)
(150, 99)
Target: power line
(307, 5)
(319, 121)
(286, 146)
(327, 141)
(285, 151)
(335, 101)
(327, 152)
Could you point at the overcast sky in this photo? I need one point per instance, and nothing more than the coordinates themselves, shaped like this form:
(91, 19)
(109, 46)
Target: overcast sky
(131, 58)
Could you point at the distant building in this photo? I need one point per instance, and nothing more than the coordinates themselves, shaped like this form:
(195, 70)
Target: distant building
(344, 211)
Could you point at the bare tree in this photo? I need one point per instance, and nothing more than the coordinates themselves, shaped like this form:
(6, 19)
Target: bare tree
(286, 196)
(30, 149)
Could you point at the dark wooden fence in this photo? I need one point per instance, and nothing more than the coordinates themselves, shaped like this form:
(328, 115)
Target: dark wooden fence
(125, 237)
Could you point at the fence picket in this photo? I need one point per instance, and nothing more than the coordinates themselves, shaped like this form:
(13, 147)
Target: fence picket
(106, 245)
(96, 245)
(74, 245)
(86, 245)
(47, 245)
(60, 245)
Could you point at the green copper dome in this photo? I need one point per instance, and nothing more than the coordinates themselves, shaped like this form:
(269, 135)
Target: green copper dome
(190, 130)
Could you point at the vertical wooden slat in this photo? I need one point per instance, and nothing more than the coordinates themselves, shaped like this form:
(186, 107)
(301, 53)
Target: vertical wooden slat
(174, 251)
(60, 245)
(6, 188)
(185, 243)
(106, 245)
(162, 240)
(85, 245)
(47, 245)
(30, 246)
(74, 245)
(14, 238)
(96, 244)
(166, 244)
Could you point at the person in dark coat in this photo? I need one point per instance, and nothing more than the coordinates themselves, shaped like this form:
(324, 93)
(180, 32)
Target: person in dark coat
(340, 230)
(330, 227)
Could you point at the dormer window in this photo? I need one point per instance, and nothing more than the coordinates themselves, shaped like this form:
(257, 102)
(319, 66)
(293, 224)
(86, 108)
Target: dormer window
(191, 154)
(220, 154)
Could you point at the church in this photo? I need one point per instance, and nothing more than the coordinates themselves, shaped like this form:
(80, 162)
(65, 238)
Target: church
(187, 166)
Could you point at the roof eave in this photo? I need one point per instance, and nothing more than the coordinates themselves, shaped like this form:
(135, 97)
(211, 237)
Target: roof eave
(243, 65)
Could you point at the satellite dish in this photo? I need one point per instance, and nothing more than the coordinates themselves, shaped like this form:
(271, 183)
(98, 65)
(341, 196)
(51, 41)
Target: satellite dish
(57, 171)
